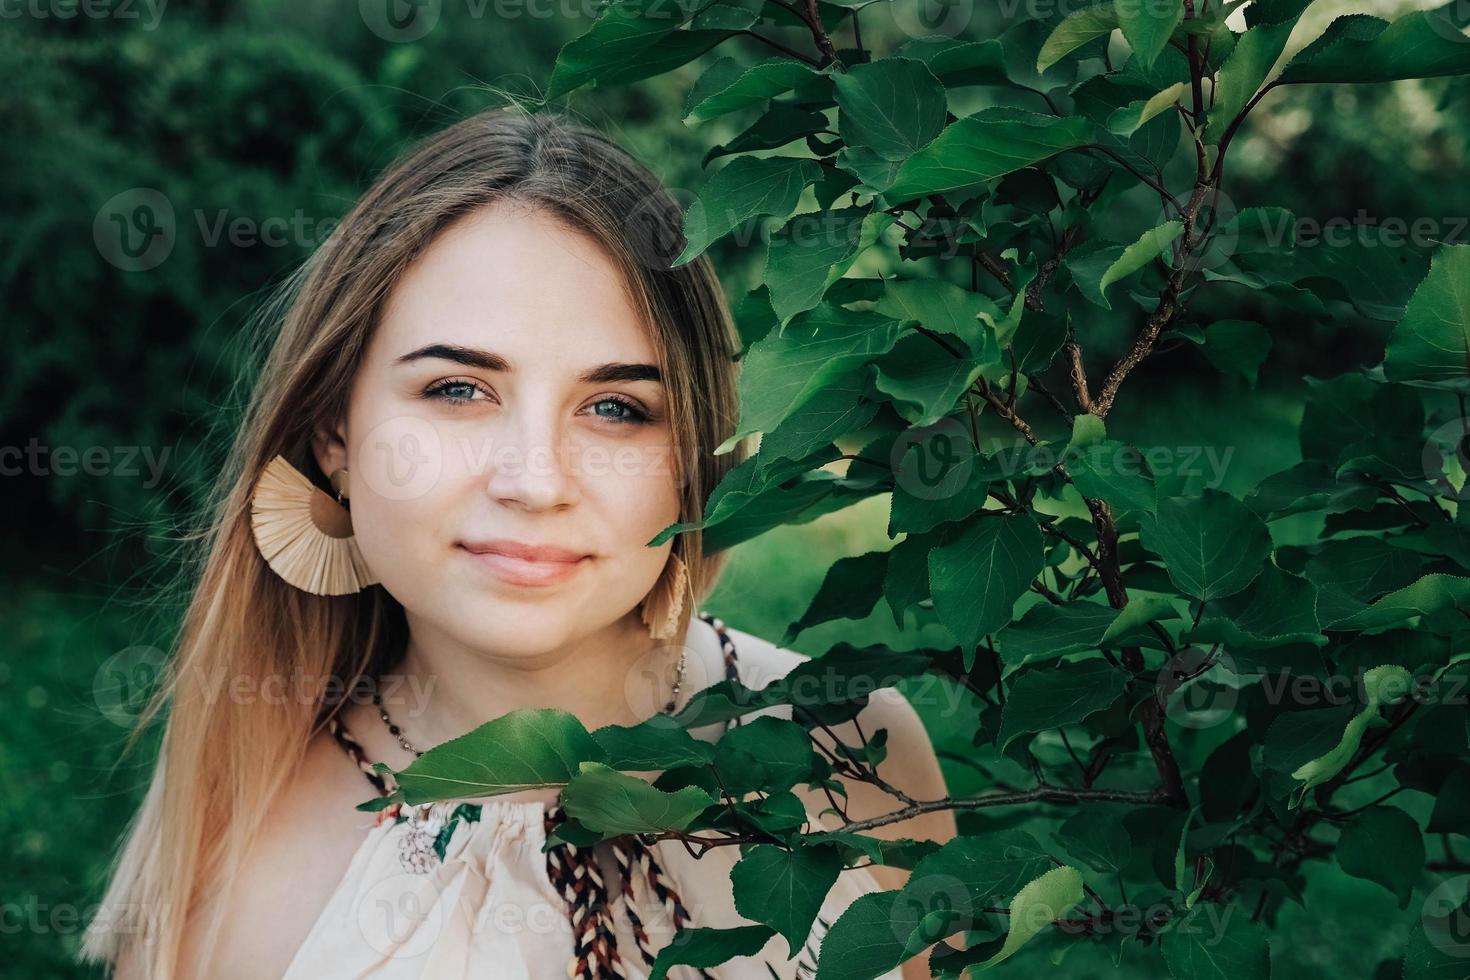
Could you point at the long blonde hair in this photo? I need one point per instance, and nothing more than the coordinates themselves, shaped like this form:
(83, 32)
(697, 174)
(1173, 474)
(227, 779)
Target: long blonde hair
(221, 760)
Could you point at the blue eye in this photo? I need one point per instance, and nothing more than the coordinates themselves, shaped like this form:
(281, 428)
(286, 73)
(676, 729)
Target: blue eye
(624, 412)
(463, 391)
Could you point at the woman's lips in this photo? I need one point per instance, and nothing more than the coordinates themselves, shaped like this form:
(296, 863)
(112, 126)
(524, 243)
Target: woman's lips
(521, 571)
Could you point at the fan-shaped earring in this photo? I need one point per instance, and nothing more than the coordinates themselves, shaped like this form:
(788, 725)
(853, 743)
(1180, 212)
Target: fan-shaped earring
(304, 535)
(665, 601)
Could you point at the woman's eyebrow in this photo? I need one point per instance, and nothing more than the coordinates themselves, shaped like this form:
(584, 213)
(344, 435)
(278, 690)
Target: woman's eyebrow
(612, 372)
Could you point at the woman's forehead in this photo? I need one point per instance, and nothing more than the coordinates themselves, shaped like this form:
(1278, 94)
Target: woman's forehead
(521, 283)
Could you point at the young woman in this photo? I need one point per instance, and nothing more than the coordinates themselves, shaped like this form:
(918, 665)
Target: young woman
(493, 366)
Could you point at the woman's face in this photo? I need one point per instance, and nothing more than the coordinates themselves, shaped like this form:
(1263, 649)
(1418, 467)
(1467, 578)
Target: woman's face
(510, 400)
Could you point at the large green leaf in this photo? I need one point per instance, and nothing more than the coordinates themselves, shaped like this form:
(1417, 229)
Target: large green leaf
(785, 888)
(1251, 60)
(987, 145)
(1077, 29)
(745, 188)
(1051, 696)
(1432, 342)
(849, 590)
(728, 86)
(943, 307)
(525, 749)
(1148, 25)
(1209, 945)
(1383, 844)
(1276, 609)
(629, 40)
(892, 107)
(1360, 48)
(783, 372)
(1035, 907)
(611, 802)
(704, 947)
(1212, 545)
(1384, 684)
(810, 252)
(978, 573)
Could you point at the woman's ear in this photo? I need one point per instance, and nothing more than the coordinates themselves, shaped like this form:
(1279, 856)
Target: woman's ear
(329, 445)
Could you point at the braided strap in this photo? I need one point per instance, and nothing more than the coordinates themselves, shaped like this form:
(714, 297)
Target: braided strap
(576, 877)
(636, 863)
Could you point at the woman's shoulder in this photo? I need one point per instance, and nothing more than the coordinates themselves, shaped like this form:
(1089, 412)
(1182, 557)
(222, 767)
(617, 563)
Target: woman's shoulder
(292, 867)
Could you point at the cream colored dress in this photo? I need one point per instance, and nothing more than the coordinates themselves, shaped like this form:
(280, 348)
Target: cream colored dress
(488, 908)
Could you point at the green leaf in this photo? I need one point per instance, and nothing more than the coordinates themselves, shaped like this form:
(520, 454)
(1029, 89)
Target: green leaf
(978, 573)
(864, 942)
(1307, 486)
(1207, 945)
(1382, 684)
(1047, 631)
(784, 889)
(745, 188)
(1035, 907)
(849, 590)
(658, 743)
(810, 252)
(623, 32)
(726, 86)
(1062, 694)
(1148, 25)
(1212, 545)
(892, 107)
(943, 307)
(1428, 595)
(1087, 430)
(782, 748)
(1383, 844)
(1097, 838)
(611, 802)
(1359, 48)
(957, 62)
(1115, 473)
(1276, 609)
(529, 748)
(1249, 63)
(702, 947)
(987, 145)
(1076, 30)
(782, 373)
(926, 383)
(1138, 613)
(1432, 342)
(1153, 244)
(1127, 120)
(1237, 346)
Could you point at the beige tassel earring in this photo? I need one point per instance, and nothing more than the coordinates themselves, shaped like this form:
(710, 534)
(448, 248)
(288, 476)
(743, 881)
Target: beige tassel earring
(664, 603)
(304, 535)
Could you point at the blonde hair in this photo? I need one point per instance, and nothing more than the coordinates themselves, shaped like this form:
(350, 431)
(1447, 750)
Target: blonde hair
(221, 761)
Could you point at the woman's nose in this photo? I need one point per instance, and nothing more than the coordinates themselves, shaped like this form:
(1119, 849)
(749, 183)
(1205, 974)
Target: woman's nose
(533, 464)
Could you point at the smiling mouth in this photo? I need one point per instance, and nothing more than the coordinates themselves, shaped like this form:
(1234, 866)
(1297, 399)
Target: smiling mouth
(524, 571)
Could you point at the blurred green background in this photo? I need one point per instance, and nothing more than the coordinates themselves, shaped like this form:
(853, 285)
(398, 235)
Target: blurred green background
(259, 121)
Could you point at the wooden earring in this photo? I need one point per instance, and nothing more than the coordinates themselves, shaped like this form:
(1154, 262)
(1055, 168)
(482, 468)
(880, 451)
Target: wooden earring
(304, 535)
(663, 605)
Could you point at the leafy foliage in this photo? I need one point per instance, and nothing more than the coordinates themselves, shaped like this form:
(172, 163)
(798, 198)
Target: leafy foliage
(1093, 594)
